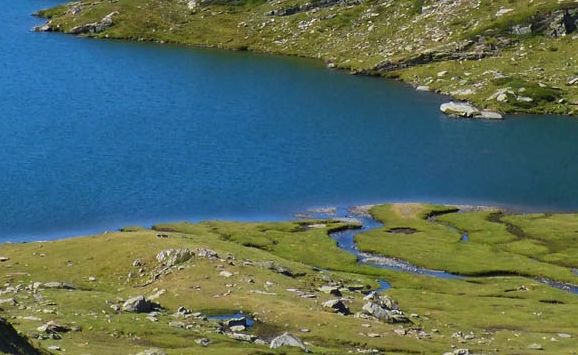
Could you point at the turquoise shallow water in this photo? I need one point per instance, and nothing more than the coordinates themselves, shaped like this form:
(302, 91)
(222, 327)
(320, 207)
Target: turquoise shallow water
(97, 135)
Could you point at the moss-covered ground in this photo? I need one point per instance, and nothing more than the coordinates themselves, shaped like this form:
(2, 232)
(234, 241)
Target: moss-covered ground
(500, 306)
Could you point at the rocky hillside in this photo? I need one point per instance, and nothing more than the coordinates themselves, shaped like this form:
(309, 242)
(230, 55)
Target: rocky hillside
(511, 56)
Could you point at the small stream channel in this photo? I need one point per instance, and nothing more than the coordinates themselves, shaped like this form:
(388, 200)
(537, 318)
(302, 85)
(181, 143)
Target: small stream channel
(345, 241)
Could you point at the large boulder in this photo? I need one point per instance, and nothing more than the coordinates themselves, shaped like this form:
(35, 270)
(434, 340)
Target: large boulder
(337, 305)
(139, 304)
(460, 109)
(171, 257)
(287, 339)
(383, 308)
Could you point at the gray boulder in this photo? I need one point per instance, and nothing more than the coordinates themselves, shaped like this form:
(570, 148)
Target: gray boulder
(94, 27)
(171, 257)
(139, 304)
(337, 305)
(287, 339)
(459, 109)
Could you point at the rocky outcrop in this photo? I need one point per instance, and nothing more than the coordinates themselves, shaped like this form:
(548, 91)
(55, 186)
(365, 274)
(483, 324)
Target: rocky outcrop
(94, 27)
(469, 50)
(310, 6)
(383, 308)
(553, 24)
(171, 257)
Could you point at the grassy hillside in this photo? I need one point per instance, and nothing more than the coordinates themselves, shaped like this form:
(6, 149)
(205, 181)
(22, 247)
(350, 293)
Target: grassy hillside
(510, 56)
(71, 295)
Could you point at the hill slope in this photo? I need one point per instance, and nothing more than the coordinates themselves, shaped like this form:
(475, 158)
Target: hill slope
(503, 55)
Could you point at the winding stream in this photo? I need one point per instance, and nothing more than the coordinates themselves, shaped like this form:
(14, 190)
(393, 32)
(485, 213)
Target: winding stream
(345, 241)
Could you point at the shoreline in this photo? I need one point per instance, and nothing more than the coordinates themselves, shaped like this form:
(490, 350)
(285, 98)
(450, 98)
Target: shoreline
(451, 66)
(328, 211)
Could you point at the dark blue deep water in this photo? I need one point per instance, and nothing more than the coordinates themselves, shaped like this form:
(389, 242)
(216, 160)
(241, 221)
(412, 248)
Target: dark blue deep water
(97, 135)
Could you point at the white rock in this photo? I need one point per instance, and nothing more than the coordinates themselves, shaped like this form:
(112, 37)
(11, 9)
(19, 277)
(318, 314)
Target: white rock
(502, 12)
(423, 88)
(461, 109)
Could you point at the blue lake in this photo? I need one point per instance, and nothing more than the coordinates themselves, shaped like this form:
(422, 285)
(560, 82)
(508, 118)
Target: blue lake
(96, 135)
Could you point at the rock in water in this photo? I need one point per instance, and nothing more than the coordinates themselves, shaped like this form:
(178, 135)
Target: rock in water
(460, 109)
(287, 339)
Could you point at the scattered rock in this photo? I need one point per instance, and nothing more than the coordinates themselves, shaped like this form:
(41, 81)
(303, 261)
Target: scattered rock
(4, 258)
(152, 351)
(423, 88)
(8, 301)
(59, 285)
(572, 81)
(203, 341)
(535, 346)
(226, 273)
(52, 327)
(271, 265)
(249, 338)
(458, 352)
(179, 325)
(564, 335)
(331, 290)
(206, 253)
(287, 339)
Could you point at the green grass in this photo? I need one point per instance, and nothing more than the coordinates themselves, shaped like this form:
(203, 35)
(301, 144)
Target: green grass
(504, 312)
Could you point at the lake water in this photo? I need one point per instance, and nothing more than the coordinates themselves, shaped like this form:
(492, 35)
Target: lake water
(97, 135)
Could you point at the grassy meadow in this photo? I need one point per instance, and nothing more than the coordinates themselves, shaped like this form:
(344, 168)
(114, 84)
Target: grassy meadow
(273, 272)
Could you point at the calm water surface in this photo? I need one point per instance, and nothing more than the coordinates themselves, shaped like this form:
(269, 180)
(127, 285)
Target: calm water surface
(97, 135)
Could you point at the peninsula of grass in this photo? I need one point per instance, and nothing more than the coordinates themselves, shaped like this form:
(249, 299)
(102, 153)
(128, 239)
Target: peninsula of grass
(513, 57)
(277, 274)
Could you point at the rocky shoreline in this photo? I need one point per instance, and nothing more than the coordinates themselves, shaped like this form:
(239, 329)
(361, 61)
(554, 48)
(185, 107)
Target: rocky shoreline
(501, 58)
